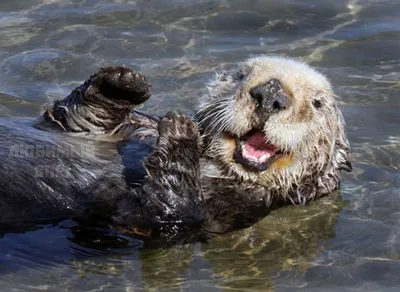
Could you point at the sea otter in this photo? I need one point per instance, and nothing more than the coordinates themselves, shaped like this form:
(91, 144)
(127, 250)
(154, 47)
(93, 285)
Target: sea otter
(264, 135)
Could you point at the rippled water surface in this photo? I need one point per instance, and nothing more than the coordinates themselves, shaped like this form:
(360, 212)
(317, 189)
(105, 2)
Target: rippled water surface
(347, 243)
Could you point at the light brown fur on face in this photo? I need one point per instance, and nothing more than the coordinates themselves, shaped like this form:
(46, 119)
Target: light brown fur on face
(309, 131)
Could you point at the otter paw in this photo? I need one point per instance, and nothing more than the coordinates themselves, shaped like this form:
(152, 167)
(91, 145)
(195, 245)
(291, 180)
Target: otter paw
(178, 130)
(121, 85)
(178, 146)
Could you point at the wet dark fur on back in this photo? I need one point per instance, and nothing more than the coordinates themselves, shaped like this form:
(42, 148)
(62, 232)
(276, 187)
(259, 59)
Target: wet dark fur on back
(167, 177)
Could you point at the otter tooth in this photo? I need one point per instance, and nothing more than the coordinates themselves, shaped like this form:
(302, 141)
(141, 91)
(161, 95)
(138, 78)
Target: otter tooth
(264, 157)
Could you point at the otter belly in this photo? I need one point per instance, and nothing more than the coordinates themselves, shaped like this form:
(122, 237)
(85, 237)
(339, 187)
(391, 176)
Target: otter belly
(48, 176)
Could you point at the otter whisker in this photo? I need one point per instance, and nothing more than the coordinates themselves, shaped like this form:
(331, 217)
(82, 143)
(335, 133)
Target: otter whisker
(210, 116)
(222, 121)
(218, 114)
(225, 124)
(206, 112)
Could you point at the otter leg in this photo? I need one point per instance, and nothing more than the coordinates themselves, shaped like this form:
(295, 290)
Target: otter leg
(171, 195)
(101, 105)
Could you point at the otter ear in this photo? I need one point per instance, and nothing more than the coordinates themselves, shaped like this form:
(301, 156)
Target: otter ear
(341, 153)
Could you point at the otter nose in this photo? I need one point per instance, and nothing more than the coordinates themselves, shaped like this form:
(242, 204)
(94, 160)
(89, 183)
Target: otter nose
(270, 97)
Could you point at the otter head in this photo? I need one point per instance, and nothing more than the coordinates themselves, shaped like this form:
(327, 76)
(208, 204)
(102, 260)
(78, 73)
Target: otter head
(274, 122)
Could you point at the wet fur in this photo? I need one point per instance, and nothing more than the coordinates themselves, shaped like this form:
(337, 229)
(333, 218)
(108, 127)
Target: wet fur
(189, 184)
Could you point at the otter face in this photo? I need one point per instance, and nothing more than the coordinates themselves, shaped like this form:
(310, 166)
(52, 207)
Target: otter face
(274, 121)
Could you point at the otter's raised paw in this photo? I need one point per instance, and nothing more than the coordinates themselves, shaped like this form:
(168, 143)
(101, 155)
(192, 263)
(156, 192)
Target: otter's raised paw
(172, 187)
(120, 85)
(178, 130)
(178, 145)
(101, 105)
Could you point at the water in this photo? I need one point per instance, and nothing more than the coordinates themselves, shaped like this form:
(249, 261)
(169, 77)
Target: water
(350, 242)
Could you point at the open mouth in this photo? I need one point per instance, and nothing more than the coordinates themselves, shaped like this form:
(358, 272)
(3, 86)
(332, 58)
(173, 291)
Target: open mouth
(254, 152)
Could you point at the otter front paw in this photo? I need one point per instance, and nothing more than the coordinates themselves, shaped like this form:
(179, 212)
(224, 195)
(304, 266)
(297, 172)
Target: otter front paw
(120, 85)
(176, 129)
(173, 183)
(101, 105)
(178, 145)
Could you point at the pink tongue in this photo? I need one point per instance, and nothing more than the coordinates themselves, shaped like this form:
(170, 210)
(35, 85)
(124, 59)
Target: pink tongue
(256, 146)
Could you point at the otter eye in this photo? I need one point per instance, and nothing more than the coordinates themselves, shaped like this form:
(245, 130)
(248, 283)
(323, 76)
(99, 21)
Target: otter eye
(317, 103)
(241, 75)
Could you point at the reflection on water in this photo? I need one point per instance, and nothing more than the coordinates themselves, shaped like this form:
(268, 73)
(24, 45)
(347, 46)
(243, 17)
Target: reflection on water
(349, 242)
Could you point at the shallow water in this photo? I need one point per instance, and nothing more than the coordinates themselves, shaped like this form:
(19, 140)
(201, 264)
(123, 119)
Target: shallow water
(345, 243)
